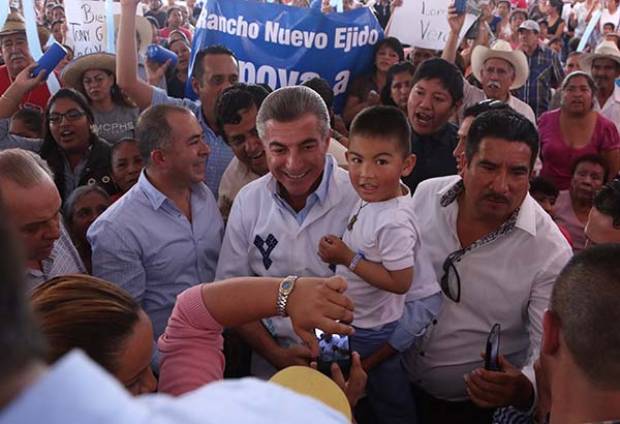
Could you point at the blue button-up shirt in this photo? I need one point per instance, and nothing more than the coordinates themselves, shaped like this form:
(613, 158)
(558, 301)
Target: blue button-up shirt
(221, 154)
(147, 246)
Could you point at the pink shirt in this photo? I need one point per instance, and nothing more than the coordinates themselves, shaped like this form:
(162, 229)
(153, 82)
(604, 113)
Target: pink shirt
(558, 157)
(565, 216)
(191, 347)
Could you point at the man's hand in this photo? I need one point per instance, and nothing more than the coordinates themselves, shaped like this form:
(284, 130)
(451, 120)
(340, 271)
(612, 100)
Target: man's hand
(493, 389)
(354, 387)
(333, 250)
(455, 20)
(292, 355)
(155, 71)
(24, 81)
(319, 303)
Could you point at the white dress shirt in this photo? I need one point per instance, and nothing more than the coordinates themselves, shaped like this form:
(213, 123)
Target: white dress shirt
(506, 281)
(265, 237)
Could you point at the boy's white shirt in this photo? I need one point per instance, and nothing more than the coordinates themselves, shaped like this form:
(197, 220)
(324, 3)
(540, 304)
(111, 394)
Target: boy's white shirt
(386, 233)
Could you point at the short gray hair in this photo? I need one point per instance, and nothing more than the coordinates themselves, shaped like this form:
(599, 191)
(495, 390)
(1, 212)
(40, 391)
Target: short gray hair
(153, 129)
(290, 103)
(24, 168)
(76, 195)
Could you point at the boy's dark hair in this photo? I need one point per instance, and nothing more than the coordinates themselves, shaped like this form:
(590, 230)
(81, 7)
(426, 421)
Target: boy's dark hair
(607, 201)
(505, 124)
(32, 119)
(447, 73)
(591, 158)
(609, 25)
(199, 69)
(234, 99)
(384, 122)
(321, 86)
(484, 106)
(544, 186)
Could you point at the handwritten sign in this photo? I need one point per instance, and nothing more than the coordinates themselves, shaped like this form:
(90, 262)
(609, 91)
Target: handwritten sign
(86, 21)
(423, 23)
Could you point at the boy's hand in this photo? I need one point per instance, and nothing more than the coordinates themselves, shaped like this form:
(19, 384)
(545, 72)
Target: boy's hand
(332, 250)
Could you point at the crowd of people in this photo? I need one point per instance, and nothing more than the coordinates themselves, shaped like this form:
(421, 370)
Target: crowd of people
(155, 243)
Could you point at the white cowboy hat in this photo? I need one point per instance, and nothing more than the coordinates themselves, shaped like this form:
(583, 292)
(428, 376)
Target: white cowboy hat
(501, 50)
(72, 74)
(606, 50)
(143, 28)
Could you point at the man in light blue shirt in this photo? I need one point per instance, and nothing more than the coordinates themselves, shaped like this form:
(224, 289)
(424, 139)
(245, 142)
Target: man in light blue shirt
(164, 235)
(215, 69)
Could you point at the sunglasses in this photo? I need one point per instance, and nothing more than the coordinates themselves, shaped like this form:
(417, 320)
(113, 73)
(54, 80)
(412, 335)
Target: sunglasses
(451, 280)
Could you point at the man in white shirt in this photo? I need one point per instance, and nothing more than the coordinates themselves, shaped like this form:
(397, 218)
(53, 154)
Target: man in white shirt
(277, 221)
(498, 68)
(33, 205)
(496, 253)
(604, 66)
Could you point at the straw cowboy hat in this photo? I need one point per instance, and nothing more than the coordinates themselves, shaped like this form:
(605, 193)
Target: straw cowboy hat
(501, 50)
(14, 24)
(143, 28)
(72, 74)
(605, 50)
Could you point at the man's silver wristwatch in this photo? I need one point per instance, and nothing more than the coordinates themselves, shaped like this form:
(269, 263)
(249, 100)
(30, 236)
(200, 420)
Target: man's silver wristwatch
(286, 287)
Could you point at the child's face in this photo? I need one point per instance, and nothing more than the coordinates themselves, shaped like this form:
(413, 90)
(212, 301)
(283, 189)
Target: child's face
(375, 167)
(547, 202)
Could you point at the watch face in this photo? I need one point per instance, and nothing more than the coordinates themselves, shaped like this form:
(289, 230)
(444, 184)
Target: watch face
(287, 285)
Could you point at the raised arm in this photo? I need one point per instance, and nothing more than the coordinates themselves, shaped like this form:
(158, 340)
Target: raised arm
(127, 58)
(191, 347)
(10, 99)
(456, 22)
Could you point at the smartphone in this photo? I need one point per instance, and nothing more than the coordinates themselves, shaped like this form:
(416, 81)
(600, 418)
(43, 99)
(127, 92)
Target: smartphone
(333, 348)
(460, 6)
(491, 355)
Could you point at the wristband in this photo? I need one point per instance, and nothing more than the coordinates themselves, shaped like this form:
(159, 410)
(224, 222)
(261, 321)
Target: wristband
(356, 260)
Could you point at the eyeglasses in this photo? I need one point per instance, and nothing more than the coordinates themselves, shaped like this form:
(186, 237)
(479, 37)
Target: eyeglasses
(451, 280)
(71, 115)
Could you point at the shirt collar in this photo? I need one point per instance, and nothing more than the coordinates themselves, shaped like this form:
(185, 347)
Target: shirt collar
(525, 214)
(156, 197)
(320, 192)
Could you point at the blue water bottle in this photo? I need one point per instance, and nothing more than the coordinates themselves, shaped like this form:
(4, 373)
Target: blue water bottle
(50, 59)
(460, 6)
(160, 54)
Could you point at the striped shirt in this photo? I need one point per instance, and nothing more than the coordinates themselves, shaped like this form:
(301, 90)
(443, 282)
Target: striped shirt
(545, 72)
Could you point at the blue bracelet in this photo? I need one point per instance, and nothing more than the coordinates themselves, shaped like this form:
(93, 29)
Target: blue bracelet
(356, 260)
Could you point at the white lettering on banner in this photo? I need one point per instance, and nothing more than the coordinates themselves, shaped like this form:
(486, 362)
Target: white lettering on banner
(294, 37)
(279, 77)
(350, 37)
(239, 27)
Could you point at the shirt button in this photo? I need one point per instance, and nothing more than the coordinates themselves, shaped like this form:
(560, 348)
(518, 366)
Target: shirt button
(434, 322)
(422, 353)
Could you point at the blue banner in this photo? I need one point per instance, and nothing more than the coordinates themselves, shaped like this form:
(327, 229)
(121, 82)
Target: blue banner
(284, 45)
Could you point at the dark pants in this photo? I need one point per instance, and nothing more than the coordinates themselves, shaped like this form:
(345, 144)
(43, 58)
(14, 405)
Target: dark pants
(436, 411)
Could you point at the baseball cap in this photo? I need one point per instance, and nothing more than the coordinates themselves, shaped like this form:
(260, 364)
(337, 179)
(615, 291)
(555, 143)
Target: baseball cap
(530, 25)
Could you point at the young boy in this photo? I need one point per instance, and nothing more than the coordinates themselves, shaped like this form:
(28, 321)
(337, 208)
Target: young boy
(378, 251)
